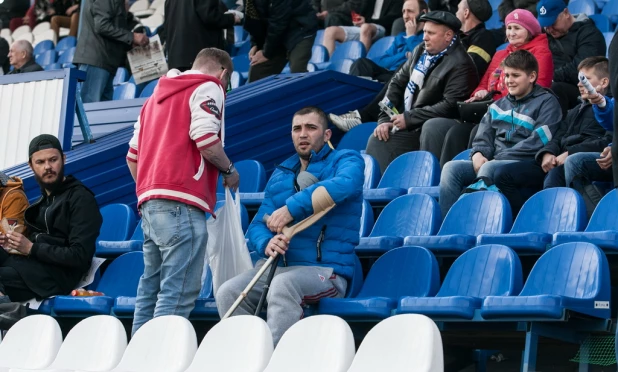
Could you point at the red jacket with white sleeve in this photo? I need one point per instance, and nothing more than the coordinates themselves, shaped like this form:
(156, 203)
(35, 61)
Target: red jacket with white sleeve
(183, 117)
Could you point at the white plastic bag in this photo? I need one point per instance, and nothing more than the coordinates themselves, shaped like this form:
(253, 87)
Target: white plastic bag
(226, 250)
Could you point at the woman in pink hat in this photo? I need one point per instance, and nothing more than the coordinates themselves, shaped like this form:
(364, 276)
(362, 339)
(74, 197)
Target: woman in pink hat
(523, 32)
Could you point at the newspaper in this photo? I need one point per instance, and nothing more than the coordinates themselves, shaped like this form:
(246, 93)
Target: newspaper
(148, 62)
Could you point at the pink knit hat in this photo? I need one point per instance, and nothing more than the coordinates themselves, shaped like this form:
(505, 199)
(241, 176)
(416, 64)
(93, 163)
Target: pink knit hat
(525, 19)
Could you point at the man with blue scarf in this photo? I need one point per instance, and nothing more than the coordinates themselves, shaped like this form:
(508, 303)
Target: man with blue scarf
(439, 73)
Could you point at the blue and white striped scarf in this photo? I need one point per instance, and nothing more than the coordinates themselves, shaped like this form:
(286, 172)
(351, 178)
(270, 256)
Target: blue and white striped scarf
(417, 79)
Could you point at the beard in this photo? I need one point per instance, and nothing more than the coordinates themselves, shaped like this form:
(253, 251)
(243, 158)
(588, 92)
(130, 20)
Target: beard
(53, 185)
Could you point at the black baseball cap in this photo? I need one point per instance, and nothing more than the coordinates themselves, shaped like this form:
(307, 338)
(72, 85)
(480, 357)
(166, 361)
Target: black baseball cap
(43, 142)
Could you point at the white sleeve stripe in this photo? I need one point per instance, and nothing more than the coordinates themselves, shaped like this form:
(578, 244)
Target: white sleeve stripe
(207, 141)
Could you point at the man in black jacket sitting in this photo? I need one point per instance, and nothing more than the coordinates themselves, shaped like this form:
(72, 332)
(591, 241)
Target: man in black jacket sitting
(439, 73)
(63, 226)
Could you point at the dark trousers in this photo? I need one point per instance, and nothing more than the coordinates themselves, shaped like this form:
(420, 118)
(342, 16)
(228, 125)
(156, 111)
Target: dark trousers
(367, 67)
(397, 144)
(298, 57)
(567, 95)
(11, 283)
(445, 138)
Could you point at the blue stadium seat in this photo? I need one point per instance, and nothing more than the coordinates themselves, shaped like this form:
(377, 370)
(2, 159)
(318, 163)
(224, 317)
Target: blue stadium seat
(582, 6)
(47, 57)
(240, 34)
(434, 191)
(122, 75)
(494, 4)
(601, 21)
(380, 47)
(416, 168)
(349, 50)
(66, 43)
(149, 89)
(112, 248)
(43, 46)
(464, 155)
(366, 219)
(602, 230)
(545, 213)
(412, 214)
(484, 212)
(138, 87)
(372, 172)
(241, 64)
(608, 38)
(342, 65)
(487, 270)
(66, 58)
(118, 223)
(611, 11)
(319, 54)
(502, 46)
(236, 80)
(253, 178)
(408, 271)
(319, 38)
(119, 279)
(252, 200)
(53, 66)
(124, 91)
(357, 137)
(494, 22)
(569, 277)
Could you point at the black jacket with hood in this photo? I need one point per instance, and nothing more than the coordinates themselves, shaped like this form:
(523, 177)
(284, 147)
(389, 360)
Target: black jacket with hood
(63, 228)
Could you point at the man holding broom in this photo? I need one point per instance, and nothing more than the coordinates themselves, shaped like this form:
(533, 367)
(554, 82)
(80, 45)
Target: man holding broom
(319, 261)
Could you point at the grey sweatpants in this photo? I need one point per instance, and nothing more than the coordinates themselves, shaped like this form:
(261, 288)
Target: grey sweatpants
(291, 288)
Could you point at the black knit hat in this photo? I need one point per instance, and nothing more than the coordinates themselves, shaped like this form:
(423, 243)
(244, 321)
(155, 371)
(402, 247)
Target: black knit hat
(442, 18)
(481, 9)
(42, 142)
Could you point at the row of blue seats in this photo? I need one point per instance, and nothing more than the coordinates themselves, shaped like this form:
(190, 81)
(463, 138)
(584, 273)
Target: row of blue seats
(64, 44)
(51, 56)
(130, 90)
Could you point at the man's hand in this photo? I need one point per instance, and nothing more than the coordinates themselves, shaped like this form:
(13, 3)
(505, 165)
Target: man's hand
(258, 58)
(477, 161)
(322, 15)
(560, 159)
(279, 219)
(477, 96)
(382, 131)
(72, 9)
(279, 243)
(18, 242)
(237, 19)
(3, 240)
(26, 20)
(359, 21)
(252, 52)
(605, 161)
(232, 181)
(548, 162)
(411, 27)
(139, 39)
(399, 121)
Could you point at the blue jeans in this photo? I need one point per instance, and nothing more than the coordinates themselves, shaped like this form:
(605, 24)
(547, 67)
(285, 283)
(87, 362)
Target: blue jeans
(98, 86)
(459, 174)
(584, 165)
(175, 239)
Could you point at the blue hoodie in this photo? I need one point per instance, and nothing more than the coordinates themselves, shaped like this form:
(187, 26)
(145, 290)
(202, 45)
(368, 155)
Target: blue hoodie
(395, 56)
(605, 115)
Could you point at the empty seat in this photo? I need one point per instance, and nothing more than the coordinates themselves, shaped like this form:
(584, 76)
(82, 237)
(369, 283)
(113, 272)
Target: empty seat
(568, 277)
(319, 54)
(407, 271)
(366, 219)
(241, 64)
(379, 48)
(416, 168)
(43, 46)
(164, 344)
(111, 248)
(412, 214)
(488, 270)
(601, 21)
(122, 75)
(25, 36)
(47, 35)
(254, 177)
(24, 29)
(407, 342)
(40, 28)
(66, 43)
(349, 50)
(238, 344)
(372, 172)
(331, 346)
(118, 223)
(357, 137)
(582, 6)
(32, 343)
(121, 278)
(124, 91)
(602, 230)
(546, 212)
(95, 344)
(342, 65)
(66, 58)
(149, 89)
(47, 57)
(53, 66)
(473, 214)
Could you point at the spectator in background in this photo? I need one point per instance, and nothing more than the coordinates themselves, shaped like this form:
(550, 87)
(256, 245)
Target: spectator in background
(444, 5)
(383, 69)
(336, 12)
(5, 65)
(102, 47)
(571, 40)
(191, 26)
(281, 31)
(10, 9)
(479, 42)
(66, 15)
(40, 11)
(508, 6)
(22, 59)
(374, 22)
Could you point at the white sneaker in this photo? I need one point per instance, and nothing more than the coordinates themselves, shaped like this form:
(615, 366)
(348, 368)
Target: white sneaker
(347, 121)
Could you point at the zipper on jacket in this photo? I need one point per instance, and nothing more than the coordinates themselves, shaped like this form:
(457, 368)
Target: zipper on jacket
(46, 210)
(319, 244)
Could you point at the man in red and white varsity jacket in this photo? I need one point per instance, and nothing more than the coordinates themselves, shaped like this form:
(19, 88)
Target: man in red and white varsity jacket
(175, 157)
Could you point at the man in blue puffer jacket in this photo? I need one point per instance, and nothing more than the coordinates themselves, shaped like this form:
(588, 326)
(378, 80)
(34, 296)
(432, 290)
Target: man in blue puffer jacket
(319, 261)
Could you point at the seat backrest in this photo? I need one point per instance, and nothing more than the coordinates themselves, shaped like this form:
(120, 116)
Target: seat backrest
(405, 271)
(253, 176)
(357, 137)
(43, 46)
(53, 66)
(124, 91)
(355, 285)
(349, 50)
(464, 155)
(494, 21)
(486, 270)
(23, 29)
(206, 290)
(66, 43)
(411, 214)
(138, 233)
(406, 342)
(582, 6)
(331, 346)
(319, 38)
(483, 212)
(319, 54)
(241, 62)
(46, 58)
(380, 47)
(605, 216)
(165, 343)
(67, 56)
(118, 222)
(416, 168)
(240, 34)
(576, 270)
(342, 65)
(366, 219)
(372, 172)
(78, 351)
(122, 75)
(149, 89)
(601, 21)
(238, 343)
(122, 276)
(550, 211)
(32, 343)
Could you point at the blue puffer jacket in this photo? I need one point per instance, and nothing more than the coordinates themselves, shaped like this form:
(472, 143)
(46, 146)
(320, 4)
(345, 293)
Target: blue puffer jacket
(341, 172)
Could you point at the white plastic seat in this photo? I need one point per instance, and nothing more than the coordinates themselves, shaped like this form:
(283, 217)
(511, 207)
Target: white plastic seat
(153, 21)
(64, 31)
(407, 342)
(24, 29)
(40, 28)
(316, 343)
(27, 36)
(32, 343)
(45, 35)
(139, 5)
(164, 344)
(5, 32)
(237, 344)
(156, 4)
(8, 39)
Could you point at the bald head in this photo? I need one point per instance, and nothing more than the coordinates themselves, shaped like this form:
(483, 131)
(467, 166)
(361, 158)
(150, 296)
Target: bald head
(20, 53)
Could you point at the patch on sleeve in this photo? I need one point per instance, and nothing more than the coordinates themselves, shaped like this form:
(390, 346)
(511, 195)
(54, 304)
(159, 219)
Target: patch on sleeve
(210, 106)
